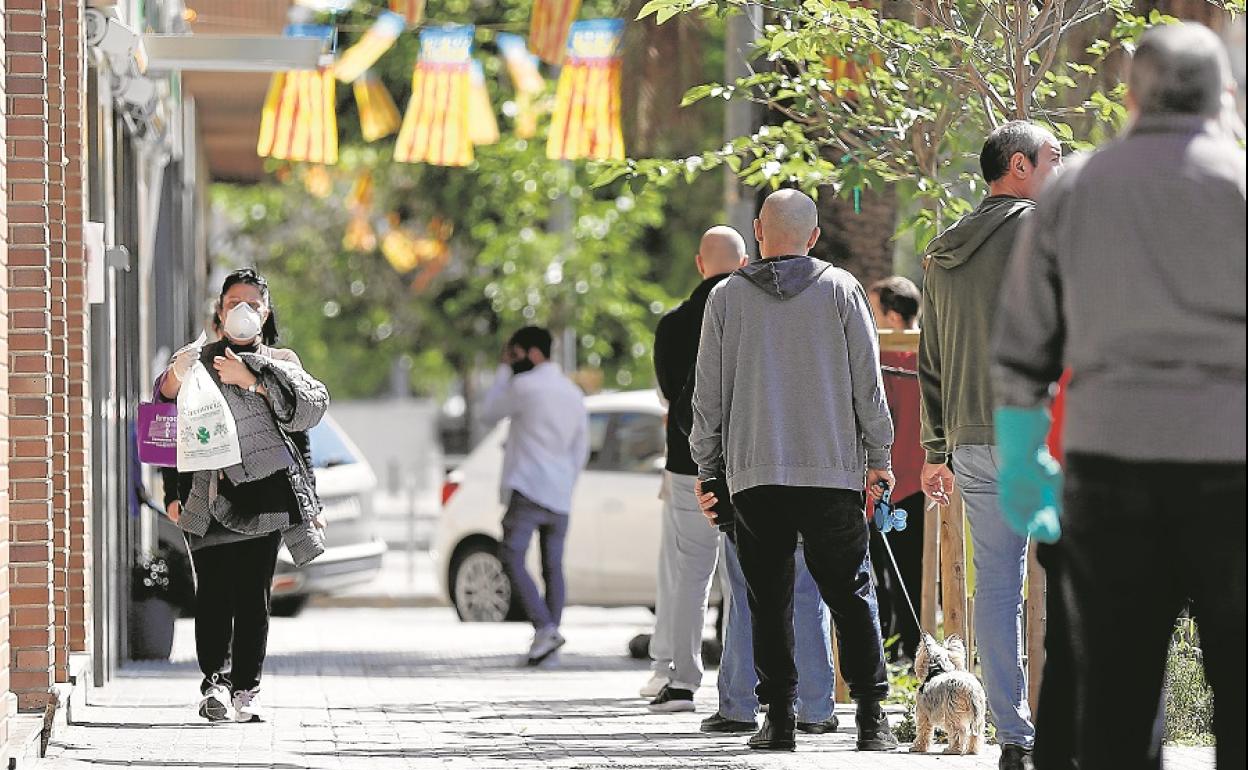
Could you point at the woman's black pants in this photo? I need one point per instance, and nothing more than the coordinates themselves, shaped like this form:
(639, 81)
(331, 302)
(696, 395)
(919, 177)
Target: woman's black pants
(232, 589)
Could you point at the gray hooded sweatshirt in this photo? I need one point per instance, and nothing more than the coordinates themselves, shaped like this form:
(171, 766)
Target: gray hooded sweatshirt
(788, 389)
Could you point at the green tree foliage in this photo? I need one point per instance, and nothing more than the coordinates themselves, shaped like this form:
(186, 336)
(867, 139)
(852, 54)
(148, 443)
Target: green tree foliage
(532, 241)
(928, 80)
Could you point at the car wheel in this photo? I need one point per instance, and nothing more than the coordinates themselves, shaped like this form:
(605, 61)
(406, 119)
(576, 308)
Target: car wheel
(287, 606)
(480, 588)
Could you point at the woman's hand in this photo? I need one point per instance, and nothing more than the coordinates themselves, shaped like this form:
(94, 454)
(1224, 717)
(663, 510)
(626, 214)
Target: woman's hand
(174, 511)
(878, 480)
(232, 371)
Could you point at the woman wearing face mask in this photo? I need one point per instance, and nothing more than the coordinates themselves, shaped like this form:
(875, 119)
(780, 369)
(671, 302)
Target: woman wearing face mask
(235, 519)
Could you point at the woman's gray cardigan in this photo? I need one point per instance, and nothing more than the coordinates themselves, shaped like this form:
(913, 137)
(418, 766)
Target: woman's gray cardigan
(296, 401)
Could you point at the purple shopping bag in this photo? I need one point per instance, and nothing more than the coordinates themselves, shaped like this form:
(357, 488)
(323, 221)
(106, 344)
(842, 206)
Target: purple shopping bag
(158, 432)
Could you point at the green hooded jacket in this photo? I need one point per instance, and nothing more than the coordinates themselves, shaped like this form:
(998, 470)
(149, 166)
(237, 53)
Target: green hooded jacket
(965, 267)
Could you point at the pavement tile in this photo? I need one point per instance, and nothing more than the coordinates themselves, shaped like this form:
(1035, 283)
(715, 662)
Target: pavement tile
(412, 688)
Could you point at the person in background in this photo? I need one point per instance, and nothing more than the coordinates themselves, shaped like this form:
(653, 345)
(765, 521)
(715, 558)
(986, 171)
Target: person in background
(895, 305)
(235, 519)
(1131, 275)
(789, 406)
(688, 548)
(547, 446)
(965, 266)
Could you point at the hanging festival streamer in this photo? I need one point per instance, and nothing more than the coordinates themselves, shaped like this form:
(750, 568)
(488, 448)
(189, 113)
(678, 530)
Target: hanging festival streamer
(482, 125)
(435, 128)
(548, 28)
(298, 121)
(378, 114)
(359, 235)
(586, 120)
(318, 182)
(845, 73)
(376, 41)
(412, 11)
(527, 80)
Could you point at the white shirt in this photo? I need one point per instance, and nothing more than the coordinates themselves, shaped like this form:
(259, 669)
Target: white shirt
(548, 439)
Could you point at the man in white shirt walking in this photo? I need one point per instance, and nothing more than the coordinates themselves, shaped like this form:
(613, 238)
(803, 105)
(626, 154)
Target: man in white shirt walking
(547, 446)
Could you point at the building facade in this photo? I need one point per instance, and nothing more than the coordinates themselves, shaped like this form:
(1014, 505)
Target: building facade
(102, 270)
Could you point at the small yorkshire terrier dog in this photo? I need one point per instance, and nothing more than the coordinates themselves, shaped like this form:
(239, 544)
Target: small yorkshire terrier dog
(950, 698)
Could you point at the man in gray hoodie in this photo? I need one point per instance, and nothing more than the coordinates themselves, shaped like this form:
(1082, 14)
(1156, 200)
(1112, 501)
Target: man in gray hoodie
(965, 267)
(789, 402)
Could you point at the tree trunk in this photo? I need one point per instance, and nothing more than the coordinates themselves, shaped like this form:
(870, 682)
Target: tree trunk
(858, 241)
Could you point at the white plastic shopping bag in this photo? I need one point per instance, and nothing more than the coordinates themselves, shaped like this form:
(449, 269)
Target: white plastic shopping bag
(207, 435)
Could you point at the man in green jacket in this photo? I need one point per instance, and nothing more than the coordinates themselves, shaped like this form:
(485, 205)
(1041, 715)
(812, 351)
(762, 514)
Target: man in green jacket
(965, 266)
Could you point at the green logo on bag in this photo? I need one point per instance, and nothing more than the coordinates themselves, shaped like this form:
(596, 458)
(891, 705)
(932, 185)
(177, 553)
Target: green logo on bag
(203, 435)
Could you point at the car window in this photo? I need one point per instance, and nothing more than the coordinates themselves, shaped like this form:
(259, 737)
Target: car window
(598, 456)
(639, 441)
(328, 448)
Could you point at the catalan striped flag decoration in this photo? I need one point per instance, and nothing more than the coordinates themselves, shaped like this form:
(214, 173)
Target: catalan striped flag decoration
(526, 78)
(378, 114)
(586, 120)
(435, 128)
(298, 121)
(482, 125)
(548, 28)
(379, 38)
(412, 11)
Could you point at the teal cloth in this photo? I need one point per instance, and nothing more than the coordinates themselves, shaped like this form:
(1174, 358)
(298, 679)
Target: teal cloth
(1030, 480)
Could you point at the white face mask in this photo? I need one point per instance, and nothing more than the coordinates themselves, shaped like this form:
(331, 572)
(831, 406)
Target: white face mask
(242, 324)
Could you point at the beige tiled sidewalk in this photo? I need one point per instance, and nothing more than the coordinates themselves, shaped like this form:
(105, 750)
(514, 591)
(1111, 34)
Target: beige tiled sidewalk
(376, 689)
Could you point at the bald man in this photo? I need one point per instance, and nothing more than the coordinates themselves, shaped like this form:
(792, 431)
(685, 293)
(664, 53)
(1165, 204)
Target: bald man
(688, 548)
(789, 400)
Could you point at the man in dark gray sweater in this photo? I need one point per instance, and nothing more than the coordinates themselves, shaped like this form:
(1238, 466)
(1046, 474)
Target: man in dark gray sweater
(789, 401)
(1131, 273)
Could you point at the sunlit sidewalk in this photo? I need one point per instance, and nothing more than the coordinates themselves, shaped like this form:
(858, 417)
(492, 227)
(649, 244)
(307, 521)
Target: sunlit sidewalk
(414, 688)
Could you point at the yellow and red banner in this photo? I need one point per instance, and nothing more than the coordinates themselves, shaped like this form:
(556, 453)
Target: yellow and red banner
(435, 128)
(359, 235)
(526, 78)
(298, 122)
(482, 125)
(548, 28)
(586, 120)
(379, 116)
(412, 11)
(368, 49)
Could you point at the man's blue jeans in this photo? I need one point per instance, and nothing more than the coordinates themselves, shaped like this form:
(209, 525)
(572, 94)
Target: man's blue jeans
(811, 641)
(1000, 565)
(522, 519)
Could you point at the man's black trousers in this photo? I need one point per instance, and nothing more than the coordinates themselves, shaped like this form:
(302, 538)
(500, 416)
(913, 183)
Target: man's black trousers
(1140, 540)
(835, 541)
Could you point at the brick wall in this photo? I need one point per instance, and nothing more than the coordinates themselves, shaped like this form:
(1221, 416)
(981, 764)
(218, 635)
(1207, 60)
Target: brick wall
(77, 331)
(31, 585)
(59, 335)
(7, 703)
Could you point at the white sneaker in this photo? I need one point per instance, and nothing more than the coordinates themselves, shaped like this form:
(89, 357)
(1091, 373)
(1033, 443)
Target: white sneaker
(215, 705)
(545, 642)
(652, 688)
(671, 700)
(246, 709)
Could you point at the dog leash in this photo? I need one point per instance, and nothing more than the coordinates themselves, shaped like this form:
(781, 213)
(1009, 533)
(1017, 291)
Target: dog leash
(889, 518)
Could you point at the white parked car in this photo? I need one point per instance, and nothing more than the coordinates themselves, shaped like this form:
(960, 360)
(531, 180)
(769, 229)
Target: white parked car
(611, 555)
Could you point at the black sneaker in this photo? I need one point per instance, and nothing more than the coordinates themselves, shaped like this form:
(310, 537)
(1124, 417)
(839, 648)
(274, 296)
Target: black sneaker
(874, 734)
(828, 725)
(1014, 757)
(718, 723)
(777, 733)
(671, 700)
